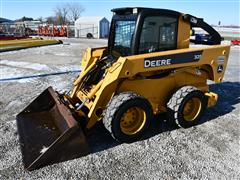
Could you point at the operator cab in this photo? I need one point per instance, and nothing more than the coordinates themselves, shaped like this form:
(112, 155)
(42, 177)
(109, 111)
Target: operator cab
(144, 30)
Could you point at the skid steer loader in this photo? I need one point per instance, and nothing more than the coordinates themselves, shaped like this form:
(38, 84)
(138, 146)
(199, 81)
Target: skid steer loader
(147, 68)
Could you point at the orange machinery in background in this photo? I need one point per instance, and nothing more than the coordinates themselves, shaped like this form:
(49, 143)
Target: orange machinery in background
(52, 31)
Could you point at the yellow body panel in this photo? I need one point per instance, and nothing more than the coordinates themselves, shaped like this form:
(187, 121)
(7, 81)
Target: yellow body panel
(124, 75)
(210, 57)
(158, 91)
(90, 54)
(183, 39)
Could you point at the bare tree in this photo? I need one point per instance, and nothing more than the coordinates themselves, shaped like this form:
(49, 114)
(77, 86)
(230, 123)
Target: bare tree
(40, 19)
(74, 11)
(68, 12)
(51, 20)
(61, 13)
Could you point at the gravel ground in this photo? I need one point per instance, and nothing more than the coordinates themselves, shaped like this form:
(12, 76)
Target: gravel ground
(207, 151)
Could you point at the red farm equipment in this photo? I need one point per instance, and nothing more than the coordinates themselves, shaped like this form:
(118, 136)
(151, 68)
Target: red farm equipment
(235, 42)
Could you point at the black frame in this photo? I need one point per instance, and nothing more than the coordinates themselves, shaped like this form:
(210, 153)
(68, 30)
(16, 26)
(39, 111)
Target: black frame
(139, 25)
(111, 37)
(142, 13)
(215, 37)
(126, 14)
(140, 20)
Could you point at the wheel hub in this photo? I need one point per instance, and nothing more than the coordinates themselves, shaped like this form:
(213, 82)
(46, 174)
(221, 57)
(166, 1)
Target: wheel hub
(133, 120)
(192, 109)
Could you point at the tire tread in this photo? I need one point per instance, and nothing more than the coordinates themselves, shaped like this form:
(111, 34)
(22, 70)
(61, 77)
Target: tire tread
(113, 106)
(176, 100)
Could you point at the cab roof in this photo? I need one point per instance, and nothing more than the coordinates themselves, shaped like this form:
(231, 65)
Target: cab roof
(131, 10)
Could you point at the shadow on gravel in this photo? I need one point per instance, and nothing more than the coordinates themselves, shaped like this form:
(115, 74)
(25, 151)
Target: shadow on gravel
(99, 138)
(229, 96)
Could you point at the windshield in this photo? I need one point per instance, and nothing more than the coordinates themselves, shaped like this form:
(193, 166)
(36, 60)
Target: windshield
(124, 31)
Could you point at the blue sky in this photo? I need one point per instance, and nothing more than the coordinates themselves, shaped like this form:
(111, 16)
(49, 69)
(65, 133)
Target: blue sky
(226, 11)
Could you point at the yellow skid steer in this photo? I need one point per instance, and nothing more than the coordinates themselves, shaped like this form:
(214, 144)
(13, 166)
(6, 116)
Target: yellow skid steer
(147, 68)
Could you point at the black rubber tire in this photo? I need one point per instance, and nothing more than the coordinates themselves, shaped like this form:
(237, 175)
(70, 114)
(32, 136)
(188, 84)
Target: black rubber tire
(117, 107)
(89, 35)
(177, 102)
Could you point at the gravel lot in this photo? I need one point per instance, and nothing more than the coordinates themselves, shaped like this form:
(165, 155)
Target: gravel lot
(207, 151)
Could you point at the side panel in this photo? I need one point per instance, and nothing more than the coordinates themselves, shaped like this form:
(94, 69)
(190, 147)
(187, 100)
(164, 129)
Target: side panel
(159, 91)
(214, 56)
(183, 38)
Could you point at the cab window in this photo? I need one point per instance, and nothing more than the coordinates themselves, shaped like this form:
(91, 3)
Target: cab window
(123, 37)
(159, 33)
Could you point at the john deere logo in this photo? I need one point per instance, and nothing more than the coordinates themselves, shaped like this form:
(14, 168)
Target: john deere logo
(156, 63)
(167, 60)
(193, 20)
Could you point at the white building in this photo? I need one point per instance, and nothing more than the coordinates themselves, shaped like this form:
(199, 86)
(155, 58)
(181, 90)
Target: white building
(96, 27)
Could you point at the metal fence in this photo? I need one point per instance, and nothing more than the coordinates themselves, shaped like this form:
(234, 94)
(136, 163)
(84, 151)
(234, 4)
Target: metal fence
(11, 29)
(21, 30)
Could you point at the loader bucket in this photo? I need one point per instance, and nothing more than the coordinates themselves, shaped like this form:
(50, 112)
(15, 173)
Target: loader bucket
(48, 133)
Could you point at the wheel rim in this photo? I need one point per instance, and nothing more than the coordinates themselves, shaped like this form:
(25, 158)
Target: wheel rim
(133, 120)
(192, 109)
